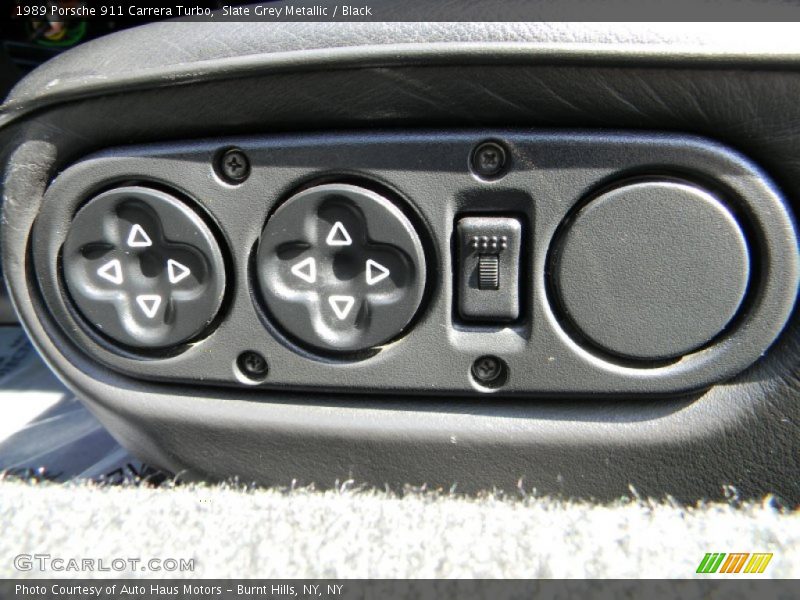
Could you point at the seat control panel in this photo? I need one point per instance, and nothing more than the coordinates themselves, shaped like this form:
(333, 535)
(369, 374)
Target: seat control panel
(591, 263)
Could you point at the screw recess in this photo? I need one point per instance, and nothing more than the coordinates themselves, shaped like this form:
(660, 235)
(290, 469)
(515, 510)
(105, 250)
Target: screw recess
(252, 365)
(234, 166)
(489, 160)
(489, 371)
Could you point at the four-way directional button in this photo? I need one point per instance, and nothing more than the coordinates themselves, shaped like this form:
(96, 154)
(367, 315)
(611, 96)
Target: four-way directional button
(112, 271)
(340, 268)
(143, 268)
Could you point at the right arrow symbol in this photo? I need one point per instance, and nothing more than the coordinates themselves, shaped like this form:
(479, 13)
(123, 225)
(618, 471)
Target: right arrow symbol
(341, 305)
(176, 271)
(376, 272)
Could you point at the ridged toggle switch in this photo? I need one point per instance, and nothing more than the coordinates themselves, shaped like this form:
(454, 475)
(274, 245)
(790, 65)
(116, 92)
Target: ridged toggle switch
(489, 272)
(488, 268)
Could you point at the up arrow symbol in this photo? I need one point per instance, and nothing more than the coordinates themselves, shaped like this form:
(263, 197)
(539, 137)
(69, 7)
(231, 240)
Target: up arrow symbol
(338, 236)
(138, 238)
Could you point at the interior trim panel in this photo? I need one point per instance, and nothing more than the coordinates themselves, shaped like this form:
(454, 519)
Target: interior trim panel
(683, 119)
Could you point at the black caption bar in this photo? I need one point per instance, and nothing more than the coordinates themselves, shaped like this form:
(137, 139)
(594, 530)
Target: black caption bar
(387, 589)
(408, 10)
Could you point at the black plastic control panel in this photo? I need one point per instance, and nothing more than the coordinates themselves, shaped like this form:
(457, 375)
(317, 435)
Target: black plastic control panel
(586, 263)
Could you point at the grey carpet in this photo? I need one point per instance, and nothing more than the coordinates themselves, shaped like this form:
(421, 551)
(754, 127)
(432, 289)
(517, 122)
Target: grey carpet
(344, 534)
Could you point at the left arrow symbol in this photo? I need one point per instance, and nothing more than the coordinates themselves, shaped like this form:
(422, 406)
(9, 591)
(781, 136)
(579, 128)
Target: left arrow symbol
(111, 271)
(306, 270)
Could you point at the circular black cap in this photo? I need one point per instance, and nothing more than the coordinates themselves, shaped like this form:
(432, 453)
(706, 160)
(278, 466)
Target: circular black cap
(651, 270)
